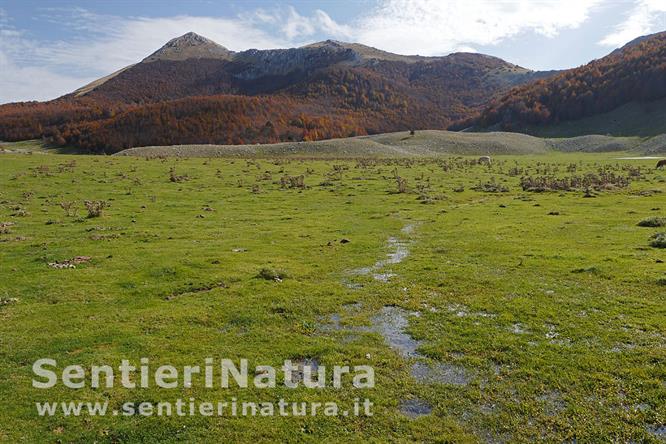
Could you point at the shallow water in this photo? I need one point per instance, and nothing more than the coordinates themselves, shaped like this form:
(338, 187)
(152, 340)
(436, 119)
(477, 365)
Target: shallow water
(440, 373)
(391, 323)
(658, 431)
(383, 277)
(398, 251)
(415, 408)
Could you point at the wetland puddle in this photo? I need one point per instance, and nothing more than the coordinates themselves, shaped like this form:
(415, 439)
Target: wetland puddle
(392, 323)
(415, 408)
(398, 251)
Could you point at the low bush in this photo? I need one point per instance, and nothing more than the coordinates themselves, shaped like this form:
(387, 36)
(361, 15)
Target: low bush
(658, 240)
(95, 207)
(653, 222)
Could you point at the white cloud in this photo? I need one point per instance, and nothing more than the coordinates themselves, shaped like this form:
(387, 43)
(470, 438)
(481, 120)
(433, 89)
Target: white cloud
(644, 18)
(330, 27)
(34, 83)
(104, 43)
(434, 27)
(130, 40)
(296, 25)
(44, 70)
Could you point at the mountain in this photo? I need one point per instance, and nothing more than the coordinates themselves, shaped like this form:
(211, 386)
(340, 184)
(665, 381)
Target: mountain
(193, 90)
(190, 46)
(616, 94)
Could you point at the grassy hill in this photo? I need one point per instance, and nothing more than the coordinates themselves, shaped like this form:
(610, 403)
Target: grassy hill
(423, 144)
(428, 143)
(641, 119)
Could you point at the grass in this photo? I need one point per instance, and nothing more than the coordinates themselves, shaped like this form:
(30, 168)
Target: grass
(632, 119)
(424, 143)
(552, 302)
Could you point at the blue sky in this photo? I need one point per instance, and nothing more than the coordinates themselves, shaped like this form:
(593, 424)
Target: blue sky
(49, 48)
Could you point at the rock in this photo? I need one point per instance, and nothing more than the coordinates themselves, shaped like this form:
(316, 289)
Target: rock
(70, 263)
(7, 301)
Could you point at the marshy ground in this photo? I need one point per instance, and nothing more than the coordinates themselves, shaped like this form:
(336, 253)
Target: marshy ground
(516, 302)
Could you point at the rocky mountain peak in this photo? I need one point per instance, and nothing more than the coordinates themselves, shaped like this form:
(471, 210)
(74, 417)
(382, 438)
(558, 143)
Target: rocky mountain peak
(190, 46)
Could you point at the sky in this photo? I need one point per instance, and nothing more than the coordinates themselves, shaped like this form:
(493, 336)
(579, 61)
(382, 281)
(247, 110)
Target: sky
(51, 47)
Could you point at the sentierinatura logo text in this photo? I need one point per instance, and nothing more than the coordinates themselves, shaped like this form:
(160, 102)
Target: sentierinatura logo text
(224, 373)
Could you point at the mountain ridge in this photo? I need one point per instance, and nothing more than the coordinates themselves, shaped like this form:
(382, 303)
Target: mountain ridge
(193, 90)
(634, 73)
(254, 63)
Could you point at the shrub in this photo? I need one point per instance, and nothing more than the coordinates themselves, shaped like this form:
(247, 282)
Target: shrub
(602, 181)
(20, 212)
(292, 181)
(95, 207)
(491, 187)
(653, 222)
(658, 240)
(173, 177)
(401, 183)
(4, 227)
(69, 208)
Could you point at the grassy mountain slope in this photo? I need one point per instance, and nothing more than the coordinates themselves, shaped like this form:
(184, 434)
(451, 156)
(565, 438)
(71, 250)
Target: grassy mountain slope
(401, 144)
(628, 81)
(643, 119)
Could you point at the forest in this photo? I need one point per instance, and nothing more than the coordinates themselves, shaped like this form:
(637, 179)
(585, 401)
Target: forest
(218, 102)
(636, 72)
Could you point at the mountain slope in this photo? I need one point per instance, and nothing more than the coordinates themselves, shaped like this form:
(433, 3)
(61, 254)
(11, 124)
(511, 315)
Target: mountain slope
(430, 143)
(643, 119)
(213, 95)
(636, 73)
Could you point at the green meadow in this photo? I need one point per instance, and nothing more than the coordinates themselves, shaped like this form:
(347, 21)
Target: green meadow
(542, 309)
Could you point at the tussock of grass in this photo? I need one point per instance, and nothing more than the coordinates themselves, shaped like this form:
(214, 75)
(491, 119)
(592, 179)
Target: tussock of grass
(658, 240)
(653, 222)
